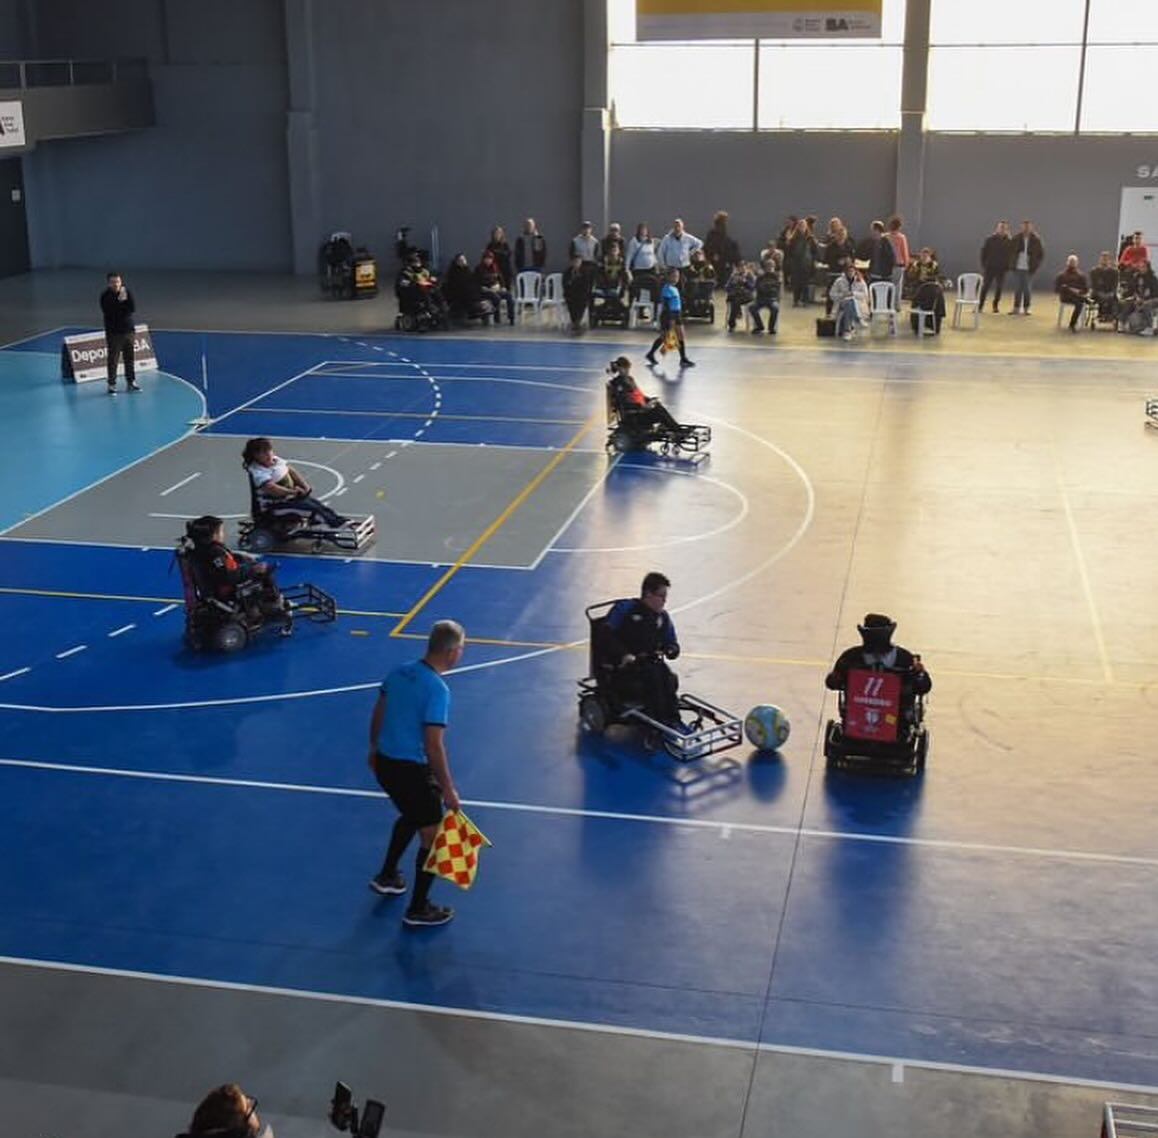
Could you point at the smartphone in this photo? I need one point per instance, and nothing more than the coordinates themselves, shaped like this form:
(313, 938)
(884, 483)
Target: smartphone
(341, 1106)
(372, 1114)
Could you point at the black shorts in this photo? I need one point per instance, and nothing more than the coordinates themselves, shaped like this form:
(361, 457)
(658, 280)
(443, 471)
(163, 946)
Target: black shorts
(412, 788)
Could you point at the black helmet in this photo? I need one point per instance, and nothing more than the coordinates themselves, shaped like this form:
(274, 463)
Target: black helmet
(877, 631)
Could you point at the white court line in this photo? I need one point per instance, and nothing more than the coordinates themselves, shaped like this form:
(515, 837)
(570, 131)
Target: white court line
(437, 364)
(567, 522)
(178, 485)
(167, 608)
(574, 1025)
(358, 478)
(71, 652)
(469, 379)
(19, 671)
(123, 629)
(427, 443)
(259, 398)
(37, 336)
(724, 828)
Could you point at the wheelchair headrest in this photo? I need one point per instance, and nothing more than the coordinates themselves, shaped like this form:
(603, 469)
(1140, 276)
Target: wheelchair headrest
(877, 631)
(200, 531)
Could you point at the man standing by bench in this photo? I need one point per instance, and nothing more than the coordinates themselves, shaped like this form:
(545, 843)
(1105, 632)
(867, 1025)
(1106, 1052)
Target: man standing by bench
(118, 307)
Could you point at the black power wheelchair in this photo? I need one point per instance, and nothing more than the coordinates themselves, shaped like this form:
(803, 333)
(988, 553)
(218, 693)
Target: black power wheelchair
(346, 272)
(699, 299)
(604, 701)
(609, 301)
(212, 624)
(631, 428)
(881, 729)
(268, 527)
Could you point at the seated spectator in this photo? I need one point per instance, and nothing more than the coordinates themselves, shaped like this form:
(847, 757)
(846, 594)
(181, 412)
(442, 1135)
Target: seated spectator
(611, 279)
(417, 288)
(799, 262)
(226, 1112)
(1072, 287)
(530, 248)
(698, 270)
(923, 269)
(850, 301)
(739, 291)
(499, 248)
(1136, 311)
(676, 247)
(642, 264)
(1104, 281)
(464, 295)
(614, 240)
(577, 291)
(928, 297)
(767, 297)
(494, 288)
(881, 257)
(720, 248)
(585, 246)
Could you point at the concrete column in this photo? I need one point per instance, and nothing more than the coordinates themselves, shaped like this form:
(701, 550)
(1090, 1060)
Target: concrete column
(302, 136)
(595, 132)
(910, 191)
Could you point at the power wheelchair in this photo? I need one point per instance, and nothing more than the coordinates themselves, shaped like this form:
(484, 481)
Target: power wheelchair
(604, 700)
(630, 428)
(881, 726)
(699, 299)
(270, 526)
(346, 272)
(213, 624)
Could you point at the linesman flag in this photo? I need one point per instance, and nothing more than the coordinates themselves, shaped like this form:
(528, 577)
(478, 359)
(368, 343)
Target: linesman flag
(455, 852)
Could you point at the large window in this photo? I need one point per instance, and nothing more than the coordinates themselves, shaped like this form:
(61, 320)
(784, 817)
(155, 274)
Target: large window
(995, 65)
(770, 85)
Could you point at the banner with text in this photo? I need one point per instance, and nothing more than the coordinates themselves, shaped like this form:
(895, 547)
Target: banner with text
(757, 19)
(86, 356)
(12, 125)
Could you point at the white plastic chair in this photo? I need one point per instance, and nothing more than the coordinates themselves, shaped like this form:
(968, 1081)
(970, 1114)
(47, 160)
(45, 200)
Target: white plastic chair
(926, 321)
(881, 305)
(968, 296)
(552, 300)
(528, 292)
(640, 305)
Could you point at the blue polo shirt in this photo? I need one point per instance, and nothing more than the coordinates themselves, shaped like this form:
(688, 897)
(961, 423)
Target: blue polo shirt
(416, 697)
(669, 297)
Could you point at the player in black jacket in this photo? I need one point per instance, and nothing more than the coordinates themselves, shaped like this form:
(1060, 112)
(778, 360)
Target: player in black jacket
(877, 650)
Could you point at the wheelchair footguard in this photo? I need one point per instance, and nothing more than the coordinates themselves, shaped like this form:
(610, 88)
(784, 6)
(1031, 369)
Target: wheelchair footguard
(691, 439)
(266, 532)
(308, 602)
(711, 730)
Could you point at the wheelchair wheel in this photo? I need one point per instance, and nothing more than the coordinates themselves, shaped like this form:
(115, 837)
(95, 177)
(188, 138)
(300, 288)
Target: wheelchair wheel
(230, 637)
(592, 714)
(407, 322)
(922, 752)
(260, 540)
(620, 440)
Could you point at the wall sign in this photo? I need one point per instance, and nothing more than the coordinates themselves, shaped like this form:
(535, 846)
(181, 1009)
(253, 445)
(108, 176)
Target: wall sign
(757, 19)
(12, 124)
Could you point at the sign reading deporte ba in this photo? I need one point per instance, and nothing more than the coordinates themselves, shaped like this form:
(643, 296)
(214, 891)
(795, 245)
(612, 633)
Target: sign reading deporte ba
(86, 356)
(757, 19)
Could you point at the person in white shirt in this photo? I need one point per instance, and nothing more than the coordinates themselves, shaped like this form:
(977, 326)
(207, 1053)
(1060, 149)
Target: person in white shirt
(677, 247)
(279, 487)
(850, 301)
(642, 263)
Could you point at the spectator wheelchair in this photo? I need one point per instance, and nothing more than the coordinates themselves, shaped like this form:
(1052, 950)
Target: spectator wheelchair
(881, 726)
(604, 702)
(226, 626)
(346, 272)
(609, 304)
(633, 428)
(269, 526)
(699, 299)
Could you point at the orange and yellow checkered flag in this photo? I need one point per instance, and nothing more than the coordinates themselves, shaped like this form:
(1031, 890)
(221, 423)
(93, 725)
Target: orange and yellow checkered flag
(454, 854)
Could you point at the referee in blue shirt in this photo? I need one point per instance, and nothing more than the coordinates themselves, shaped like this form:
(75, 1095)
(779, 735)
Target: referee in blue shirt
(671, 315)
(408, 758)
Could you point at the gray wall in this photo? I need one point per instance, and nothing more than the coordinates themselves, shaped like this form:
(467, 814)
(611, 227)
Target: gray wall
(206, 187)
(757, 178)
(451, 112)
(14, 32)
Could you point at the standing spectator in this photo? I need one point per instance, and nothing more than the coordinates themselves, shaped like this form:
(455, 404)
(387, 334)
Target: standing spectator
(499, 248)
(799, 261)
(767, 289)
(530, 248)
(585, 246)
(785, 235)
(850, 301)
(494, 288)
(720, 248)
(1136, 236)
(676, 246)
(409, 760)
(740, 291)
(642, 263)
(118, 307)
(900, 257)
(995, 257)
(1025, 257)
(1072, 287)
(577, 283)
(614, 240)
(1134, 258)
(1104, 280)
(881, 257)
(671, 317)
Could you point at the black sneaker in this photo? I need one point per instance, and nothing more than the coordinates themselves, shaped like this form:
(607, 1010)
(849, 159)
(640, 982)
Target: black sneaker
(687, 363)
(112, 390)
(389, 885)
(428, 916)
(134, 387)
(651, 359)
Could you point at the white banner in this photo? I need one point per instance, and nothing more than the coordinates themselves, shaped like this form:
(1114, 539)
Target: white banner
(757, 19)
(12, 124)
(86, 356)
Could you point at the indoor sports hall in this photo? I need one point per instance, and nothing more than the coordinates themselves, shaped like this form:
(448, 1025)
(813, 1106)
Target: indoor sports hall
(748, 943)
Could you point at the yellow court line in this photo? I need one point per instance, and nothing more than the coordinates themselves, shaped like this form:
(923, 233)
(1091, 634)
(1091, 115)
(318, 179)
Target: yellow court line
(499, 522)
(67, 595)
(494, 643)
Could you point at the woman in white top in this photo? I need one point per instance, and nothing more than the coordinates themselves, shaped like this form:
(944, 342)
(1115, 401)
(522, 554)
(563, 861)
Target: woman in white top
(280, 488)
(641, 263)
(850, 301)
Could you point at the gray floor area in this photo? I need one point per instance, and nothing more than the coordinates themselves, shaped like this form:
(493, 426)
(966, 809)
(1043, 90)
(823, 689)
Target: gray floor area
(447, 494)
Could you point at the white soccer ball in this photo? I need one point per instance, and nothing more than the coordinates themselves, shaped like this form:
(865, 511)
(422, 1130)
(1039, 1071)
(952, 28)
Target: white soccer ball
(767, 727)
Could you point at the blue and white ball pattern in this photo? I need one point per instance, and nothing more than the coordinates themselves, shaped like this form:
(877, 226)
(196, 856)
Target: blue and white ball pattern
(767, 727)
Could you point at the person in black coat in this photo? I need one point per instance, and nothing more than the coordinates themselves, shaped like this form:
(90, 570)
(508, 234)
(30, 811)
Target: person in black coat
(881, 257)
(1026, 254)
(720, 248)
(530, 248)
(995, 262)
(118, 309)
(877, 650)
(500, 249)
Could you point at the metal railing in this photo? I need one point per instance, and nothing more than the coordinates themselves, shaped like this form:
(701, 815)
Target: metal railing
(25, 73)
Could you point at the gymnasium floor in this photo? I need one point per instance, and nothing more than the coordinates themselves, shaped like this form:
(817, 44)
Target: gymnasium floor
(182, 832)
